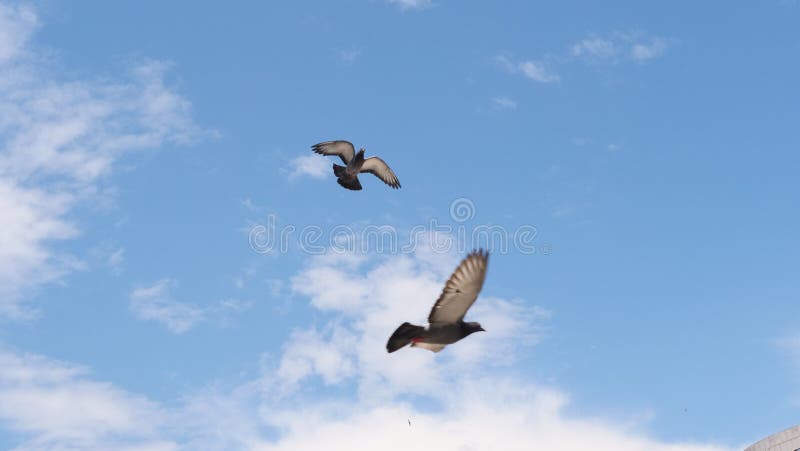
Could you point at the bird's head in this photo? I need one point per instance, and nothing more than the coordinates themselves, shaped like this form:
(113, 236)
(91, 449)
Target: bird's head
(473, 327)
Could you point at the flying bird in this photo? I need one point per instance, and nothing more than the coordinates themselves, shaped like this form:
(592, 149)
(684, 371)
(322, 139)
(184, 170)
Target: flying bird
(347, 176)
(446, 320)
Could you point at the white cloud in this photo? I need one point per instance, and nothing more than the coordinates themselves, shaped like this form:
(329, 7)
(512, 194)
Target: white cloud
(109, 255)
(506, 63)
(59, 140)
(471, 402)
(314, 166)
(17, 24)
(411, 4)
(538, 71)
(504, 103)
(54, 405)
(562, 211)
(616, 46)
(30, 218)
(610, 48)
(115, 260)
(309, 352)
(475, 415)
(155, 303)
(232, 305)
(349, 56)
(643, 51)
(596, 47)
(250, 205)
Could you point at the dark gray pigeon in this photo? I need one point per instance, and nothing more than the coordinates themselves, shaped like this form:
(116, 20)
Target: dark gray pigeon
(446, 320)
(348, 175)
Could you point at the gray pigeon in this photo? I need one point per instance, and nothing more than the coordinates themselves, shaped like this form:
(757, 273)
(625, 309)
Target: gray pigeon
(446, 319)
(348, 175)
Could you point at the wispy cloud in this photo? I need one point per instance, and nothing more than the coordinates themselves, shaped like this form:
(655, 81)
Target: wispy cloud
(55, 405)
(652, 48)
(110, 256)
(155, 303)
(619, 46)
(17, 25)
(538, 71)
(59, 140)
(349, 56)
(250, 205)
(504, 103)
(597, 48)
(313, 166)
(115, 260)
(411, 4)
(610, 48)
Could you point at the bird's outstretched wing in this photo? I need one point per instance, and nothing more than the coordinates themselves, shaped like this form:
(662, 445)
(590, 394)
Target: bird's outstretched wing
(379, 168)
(429, 346)
(461, 289)
(344, 149)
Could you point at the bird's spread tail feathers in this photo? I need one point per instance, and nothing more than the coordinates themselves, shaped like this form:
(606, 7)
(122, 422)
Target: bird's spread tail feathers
(338, 170)
(351, 184)
(403, 336)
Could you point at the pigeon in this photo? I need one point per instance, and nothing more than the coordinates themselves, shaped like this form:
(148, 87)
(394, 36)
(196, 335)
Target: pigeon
(347, 176)
(446, 320)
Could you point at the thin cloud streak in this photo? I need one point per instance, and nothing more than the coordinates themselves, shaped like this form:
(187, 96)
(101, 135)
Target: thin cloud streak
(155, 303)
(538, 71)
(594, 49)
(619, 46)
(406, 5)
(504, 103)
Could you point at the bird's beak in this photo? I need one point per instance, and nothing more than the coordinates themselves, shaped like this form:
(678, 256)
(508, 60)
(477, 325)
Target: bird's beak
(481, 329)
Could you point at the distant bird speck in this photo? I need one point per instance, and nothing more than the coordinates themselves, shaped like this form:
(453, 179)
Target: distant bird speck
(347, 176)
(446, 320)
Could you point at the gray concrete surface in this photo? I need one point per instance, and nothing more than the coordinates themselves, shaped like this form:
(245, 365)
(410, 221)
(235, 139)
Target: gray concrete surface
(788, 440)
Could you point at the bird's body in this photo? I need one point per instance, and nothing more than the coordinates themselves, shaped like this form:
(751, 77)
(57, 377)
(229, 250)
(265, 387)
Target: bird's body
(347, 176)
(444, 333)
(434, 337)
(446, 320)
(355, 164)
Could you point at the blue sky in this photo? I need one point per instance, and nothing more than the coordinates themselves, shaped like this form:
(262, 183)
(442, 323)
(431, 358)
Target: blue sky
(652, 148)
